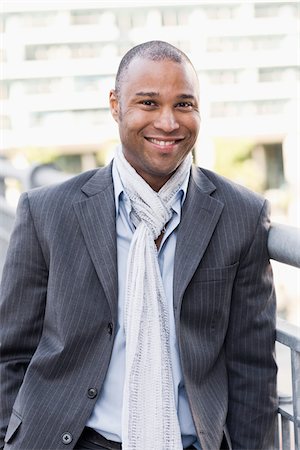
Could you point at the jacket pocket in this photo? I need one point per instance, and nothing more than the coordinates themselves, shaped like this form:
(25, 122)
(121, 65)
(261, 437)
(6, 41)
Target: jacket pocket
(215, 274)
(206, 306)
(14, 423)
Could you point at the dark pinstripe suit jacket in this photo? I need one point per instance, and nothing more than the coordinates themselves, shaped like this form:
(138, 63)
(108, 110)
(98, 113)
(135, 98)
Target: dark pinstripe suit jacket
(59, 310)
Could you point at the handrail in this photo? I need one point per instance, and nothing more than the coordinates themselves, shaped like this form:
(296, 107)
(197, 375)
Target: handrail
(288, 334)
(284, 247)
(289, 406)
(284, 244)
(33, 176)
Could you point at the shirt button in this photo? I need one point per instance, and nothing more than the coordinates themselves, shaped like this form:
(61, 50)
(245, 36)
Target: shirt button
(67, 438)
(92, 393)
(110, 328)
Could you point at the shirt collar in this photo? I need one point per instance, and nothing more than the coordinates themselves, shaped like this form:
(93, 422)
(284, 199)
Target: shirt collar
(119, 189)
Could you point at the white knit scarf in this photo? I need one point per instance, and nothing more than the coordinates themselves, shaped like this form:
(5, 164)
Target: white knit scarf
(149, 417)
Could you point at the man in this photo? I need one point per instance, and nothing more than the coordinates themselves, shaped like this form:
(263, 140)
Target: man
(137, 299)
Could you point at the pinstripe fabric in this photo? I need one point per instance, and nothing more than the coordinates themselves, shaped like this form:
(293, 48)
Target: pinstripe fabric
(226, 313)
(59, 304)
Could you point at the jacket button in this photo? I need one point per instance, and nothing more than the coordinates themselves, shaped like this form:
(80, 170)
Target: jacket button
(92, 393)
(67, 438)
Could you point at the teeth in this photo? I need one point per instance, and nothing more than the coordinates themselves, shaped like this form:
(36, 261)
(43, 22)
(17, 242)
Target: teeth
(162, 143)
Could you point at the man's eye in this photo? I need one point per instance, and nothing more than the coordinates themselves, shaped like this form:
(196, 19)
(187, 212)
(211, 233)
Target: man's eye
(148, 103)
(184, 104)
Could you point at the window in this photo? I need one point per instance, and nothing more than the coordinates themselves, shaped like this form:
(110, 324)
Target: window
(86, 84)
(38, 19)
(274, 174)
(266, 42)
(138, 18)
(223, 76)
(169, 17)
(5, 123)
(224, 109)
(266, 10)
(221, 12)
(239, 43)
(246, 109)
(69, 119)
(70, 51)
(183, 17)
(269, 10)
(4, 90)
(123, 19)
(154, 18)
(85, 17)
(40, 52)
(277, 74)
(2, 24)
(3, 55)
(106, 19)
(42, 86)
(270, 107)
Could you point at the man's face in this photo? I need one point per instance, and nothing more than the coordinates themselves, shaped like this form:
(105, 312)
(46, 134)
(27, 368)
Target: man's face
(157, 110)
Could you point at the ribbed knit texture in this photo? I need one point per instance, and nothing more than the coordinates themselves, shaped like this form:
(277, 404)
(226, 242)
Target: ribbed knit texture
(149, 419)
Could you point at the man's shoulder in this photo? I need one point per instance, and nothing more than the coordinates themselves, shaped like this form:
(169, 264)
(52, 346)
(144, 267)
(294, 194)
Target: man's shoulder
(72, 189)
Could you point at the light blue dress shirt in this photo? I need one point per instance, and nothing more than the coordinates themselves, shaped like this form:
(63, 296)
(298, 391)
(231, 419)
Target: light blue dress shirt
(107, 414)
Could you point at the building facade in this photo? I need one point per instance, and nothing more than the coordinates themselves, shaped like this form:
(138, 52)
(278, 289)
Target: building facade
(58, 63)
(59, 60)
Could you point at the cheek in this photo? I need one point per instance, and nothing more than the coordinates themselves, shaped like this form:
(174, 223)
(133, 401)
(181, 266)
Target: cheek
(194, 131)
(131, 118)
(193, 124)
(140, 121)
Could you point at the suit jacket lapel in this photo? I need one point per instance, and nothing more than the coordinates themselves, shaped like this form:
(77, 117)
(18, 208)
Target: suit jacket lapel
(200, 215)
(97, 219)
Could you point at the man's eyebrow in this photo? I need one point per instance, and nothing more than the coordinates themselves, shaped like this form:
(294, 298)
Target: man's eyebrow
(156, 94)
(147, 94)
(186, 96)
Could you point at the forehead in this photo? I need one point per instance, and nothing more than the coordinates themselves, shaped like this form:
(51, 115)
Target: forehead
(159, 76)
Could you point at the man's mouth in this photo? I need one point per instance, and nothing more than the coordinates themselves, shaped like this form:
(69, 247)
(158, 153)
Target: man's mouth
(163, 143)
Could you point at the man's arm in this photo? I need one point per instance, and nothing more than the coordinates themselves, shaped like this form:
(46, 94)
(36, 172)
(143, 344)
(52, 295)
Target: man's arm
(23, 294)
(250, 348)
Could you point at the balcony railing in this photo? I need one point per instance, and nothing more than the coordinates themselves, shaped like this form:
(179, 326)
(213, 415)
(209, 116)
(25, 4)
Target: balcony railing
(283, 246)
(289, 406)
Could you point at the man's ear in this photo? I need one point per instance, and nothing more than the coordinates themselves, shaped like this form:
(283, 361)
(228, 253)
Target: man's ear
(114, 105)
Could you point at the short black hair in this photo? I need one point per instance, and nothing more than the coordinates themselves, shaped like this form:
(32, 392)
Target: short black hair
(152, 50)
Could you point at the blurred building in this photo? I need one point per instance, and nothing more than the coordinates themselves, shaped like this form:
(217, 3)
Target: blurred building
(59, 60)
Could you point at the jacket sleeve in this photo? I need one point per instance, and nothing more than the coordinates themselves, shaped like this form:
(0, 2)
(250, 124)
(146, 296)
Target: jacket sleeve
(22, 306)
(249, 347)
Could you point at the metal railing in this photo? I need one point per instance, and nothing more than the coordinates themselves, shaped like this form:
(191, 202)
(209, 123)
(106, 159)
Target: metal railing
(289, 406)
(283, 246)
(7, 217)
(34, 176)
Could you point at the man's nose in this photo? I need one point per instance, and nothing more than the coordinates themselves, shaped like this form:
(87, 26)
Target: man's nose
(166, 121)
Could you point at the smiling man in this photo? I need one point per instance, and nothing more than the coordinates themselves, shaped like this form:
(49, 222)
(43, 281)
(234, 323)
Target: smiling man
(156, 104)
(137, 300)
